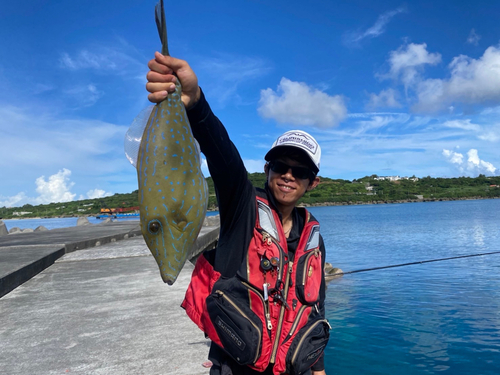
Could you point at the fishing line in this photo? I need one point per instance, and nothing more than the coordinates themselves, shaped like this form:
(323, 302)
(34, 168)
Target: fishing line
(420, 262)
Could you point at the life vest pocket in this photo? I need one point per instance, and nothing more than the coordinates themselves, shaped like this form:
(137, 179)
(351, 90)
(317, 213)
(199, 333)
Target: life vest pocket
(309, 274)
(307, 347)
(238, 328)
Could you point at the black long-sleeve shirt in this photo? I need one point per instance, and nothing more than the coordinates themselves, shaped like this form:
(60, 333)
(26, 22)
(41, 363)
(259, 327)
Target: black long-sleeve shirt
(236, 198)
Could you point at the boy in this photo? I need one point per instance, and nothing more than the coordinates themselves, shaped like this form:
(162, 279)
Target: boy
(260, 294)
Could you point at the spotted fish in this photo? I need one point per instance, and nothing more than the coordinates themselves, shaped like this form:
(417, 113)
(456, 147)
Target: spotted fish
(172, 190)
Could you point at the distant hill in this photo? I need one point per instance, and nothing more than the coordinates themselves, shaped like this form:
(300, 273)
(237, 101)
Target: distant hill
(369, 189)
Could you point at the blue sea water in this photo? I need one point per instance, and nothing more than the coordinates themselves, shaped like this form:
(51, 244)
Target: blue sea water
(441, 317)
(54, 223)
(51, 223)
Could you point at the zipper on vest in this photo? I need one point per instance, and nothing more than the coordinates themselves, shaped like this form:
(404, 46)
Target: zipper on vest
(294, 357)
(315, 252)
(266, 238)
(265, 303)
(223, 295)
(282, 313)
(295, 323)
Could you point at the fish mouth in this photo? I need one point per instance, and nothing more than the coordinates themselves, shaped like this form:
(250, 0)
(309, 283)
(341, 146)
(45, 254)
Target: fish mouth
(168, 279)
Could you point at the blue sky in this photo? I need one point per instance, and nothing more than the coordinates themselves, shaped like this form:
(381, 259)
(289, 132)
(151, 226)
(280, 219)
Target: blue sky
(386, 87)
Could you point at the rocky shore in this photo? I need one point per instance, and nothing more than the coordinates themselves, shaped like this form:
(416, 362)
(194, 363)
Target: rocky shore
(357, 203)
(332, 272)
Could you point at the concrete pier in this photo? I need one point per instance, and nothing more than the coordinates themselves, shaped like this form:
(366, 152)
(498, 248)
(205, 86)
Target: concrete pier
(98, 310)
(24, 255)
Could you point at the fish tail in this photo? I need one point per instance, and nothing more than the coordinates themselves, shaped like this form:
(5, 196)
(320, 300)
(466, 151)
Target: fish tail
(162, 26)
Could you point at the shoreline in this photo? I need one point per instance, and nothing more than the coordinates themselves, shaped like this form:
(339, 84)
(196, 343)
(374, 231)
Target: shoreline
(322, 204)
(361, 203)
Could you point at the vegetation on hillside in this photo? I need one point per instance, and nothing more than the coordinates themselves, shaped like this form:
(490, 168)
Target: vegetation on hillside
(369, 189)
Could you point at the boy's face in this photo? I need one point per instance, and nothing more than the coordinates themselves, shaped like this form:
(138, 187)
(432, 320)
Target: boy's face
(287, 188)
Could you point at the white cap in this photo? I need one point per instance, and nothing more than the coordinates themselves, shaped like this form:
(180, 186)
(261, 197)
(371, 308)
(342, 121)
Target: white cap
(299, 139)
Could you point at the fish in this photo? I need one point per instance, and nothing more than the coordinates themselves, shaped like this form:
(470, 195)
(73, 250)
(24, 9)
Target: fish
(173, 193)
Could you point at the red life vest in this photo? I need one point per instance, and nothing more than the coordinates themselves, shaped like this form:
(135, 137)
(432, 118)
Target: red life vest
(268, 312)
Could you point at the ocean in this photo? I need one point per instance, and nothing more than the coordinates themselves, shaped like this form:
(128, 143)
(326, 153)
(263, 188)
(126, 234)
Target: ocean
(64, 222)
(435, 316)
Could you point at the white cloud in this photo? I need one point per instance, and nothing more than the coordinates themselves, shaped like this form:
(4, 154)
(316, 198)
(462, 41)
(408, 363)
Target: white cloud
(385, 99)
(475, 81)
(296, 103)
(490, 136)
(87, 60)
(120, 59)
(453, 157)
(55, 189)
(14, 201)
(376, 122)
(473, 166)
(473, 38)
(34, 138)
(36, 141)
(84, 96)
(409, 60)
(233, 68)
(97, 193)
(491, 111)
(472, 81)
(430, 94)
(462, 124)
(65, 61)
(387, 143)
(374, 31)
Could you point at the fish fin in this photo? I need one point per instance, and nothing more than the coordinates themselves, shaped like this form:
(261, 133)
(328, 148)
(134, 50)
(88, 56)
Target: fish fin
(162, 26)
(134, 135)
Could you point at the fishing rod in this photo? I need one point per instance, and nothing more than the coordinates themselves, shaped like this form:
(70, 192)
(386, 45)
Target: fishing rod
(420, 262)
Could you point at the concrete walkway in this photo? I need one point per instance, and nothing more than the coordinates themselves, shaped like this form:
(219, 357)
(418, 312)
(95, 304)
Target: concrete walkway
(24, 255)
(101, 310)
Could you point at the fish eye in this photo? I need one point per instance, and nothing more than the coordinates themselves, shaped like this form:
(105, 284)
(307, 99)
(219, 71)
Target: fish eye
(154, 226)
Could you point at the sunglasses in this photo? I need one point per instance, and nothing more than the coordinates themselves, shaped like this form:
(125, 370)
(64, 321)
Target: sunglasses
(297, 172)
